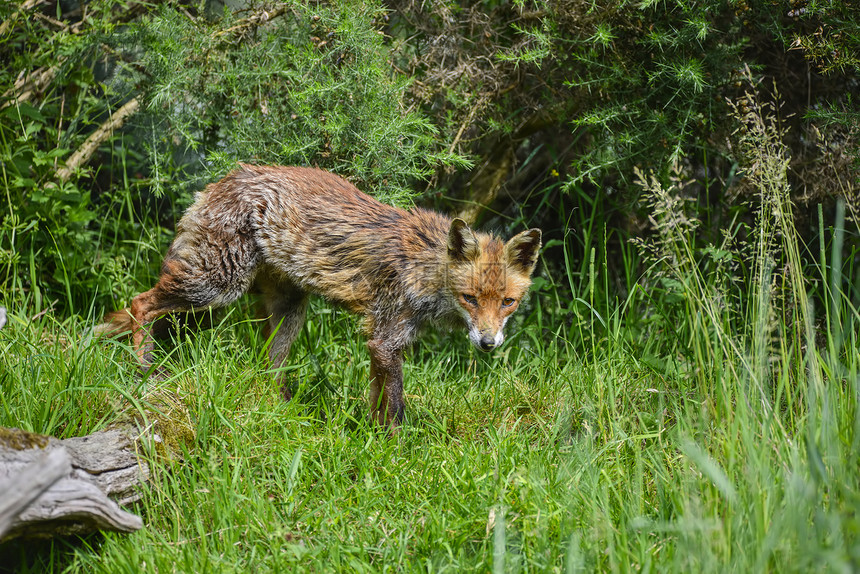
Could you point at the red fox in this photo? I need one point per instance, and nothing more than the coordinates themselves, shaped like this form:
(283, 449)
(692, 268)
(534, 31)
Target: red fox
(287, 232)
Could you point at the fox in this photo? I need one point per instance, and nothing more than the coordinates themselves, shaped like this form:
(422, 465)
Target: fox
(286, 233)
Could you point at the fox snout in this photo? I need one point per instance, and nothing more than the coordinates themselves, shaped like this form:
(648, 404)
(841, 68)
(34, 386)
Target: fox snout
(487, 343)
(486, 340)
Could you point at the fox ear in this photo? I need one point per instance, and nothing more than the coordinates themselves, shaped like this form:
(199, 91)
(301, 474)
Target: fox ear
(521, 250)
(462, 243)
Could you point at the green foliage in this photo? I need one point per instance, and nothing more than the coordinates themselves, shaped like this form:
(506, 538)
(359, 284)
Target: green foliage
(828, 34)
(298, 84)
(592, 90)
(712, 436)
(308, 86)
(51, 229)
(649, 76)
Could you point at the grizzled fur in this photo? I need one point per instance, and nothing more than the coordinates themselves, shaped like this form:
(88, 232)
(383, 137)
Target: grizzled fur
(287, 232)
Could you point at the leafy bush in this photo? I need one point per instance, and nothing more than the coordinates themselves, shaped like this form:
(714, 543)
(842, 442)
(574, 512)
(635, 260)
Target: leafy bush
(297, 85)
(145, 104)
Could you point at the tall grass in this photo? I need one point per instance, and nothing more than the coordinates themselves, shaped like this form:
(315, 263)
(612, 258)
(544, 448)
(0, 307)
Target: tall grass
(699, 423)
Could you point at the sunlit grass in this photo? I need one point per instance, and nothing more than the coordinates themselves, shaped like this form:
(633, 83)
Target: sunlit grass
(538, 457)
(701, 423)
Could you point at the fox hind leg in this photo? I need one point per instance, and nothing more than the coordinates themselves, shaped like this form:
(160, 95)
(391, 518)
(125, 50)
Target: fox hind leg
(193, 278)
(285, 306)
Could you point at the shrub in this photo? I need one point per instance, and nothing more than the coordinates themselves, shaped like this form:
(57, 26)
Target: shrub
(145, 104)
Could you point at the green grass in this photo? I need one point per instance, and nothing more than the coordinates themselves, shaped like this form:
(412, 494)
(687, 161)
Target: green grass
(698, 425)
(537, 458)
(706, 422)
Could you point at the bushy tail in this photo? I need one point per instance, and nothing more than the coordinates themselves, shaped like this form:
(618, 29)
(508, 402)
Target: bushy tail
(115, 323)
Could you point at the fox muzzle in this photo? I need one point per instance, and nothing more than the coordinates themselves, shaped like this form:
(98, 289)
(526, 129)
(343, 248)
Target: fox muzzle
(487, 338)
(487, 343)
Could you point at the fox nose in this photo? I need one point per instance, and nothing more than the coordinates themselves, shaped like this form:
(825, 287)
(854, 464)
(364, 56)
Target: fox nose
(487, 343)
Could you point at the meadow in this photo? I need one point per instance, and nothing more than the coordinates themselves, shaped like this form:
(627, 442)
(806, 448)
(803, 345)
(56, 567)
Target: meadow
(703, 426)
(678, 392)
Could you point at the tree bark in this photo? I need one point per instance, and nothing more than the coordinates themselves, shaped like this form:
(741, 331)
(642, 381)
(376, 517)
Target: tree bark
(56, 487)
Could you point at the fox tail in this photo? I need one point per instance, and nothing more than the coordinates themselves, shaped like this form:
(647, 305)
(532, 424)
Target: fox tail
(115, 323)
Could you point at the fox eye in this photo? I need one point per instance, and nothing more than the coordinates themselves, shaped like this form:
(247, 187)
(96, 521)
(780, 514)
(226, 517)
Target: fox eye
(507, 302)
(470, 299)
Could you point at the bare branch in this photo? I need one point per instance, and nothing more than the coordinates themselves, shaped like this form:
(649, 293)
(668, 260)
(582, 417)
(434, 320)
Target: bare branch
(254, 20)
(96, 138)
(76, 485)
(25, 6)
(29, 484)
(26, 86)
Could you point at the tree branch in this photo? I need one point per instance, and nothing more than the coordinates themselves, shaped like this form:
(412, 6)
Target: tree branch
(26, 5)
(85, 152)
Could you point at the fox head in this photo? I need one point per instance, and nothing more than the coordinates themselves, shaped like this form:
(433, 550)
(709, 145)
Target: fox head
(488, 278)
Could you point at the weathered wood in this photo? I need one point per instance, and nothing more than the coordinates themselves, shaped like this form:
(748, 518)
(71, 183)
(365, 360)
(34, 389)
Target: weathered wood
(40, 497)
(22, 489)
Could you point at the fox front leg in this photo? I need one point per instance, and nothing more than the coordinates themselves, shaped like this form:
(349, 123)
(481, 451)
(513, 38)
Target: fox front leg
(386, 383)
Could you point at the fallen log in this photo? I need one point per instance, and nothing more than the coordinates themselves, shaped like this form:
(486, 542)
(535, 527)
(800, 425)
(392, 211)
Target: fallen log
(54, 487)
